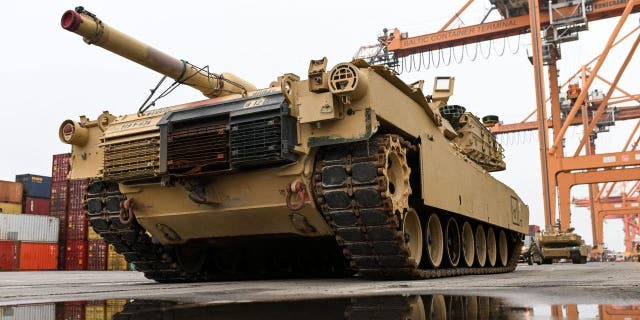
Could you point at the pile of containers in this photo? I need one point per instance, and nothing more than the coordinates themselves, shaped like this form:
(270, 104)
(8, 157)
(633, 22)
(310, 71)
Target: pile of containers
(10, 197)
(83, 248)
(36, 193)
(28, 242)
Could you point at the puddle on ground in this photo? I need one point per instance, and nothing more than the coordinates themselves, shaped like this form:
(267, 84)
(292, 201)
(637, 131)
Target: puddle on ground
(379, 307)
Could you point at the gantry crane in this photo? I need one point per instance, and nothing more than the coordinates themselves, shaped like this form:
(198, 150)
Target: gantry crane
(561, 20)
(626, 207)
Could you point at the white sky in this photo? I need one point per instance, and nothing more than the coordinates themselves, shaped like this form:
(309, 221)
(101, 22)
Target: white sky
(49, 75)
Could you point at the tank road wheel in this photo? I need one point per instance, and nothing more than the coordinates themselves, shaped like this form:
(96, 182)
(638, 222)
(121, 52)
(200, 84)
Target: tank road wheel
(481, 246)
(503, 249)
(191, 257)
(492, 250)
(434, 241)
(412, 231)
(417, 308)
(468, 245)
(397, 171)
(471, 307)
(452, 242)
(437, 308)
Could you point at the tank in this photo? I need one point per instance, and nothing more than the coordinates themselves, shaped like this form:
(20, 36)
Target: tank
(349, 172)
(565, 244)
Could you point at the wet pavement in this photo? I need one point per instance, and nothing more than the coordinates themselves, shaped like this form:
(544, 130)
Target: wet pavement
(378, 307)
(560, 291)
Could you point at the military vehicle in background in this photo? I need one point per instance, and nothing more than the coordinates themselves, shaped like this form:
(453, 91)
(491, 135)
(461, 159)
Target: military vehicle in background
(351, 171)
(634, 255)
(552, 245)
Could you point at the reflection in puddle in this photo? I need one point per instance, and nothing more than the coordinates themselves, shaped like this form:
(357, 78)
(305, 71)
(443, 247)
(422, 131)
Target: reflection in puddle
(383, 307)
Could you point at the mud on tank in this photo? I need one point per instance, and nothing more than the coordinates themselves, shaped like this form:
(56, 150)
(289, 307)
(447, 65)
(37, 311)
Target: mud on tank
(350, 172)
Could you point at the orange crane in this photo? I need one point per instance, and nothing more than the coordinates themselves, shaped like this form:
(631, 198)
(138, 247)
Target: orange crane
(626, 208)
(562, 21)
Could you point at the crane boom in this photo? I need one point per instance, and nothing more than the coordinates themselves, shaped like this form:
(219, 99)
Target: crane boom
(404, 46)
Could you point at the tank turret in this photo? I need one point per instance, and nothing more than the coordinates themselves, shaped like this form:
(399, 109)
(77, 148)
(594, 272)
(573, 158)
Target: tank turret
(94, 31)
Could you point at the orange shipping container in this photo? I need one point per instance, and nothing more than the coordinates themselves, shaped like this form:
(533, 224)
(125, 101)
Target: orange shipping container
(38, 256)
(10, 192)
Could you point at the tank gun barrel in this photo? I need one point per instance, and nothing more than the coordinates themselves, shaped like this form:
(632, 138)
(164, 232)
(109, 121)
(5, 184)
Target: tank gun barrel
(95, 32)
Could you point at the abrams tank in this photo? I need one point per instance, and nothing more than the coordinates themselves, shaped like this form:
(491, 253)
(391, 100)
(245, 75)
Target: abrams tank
(350, 172)
(562, 245)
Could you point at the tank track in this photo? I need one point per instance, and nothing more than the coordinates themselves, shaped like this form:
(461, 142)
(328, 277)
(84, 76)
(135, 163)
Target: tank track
(350, 188)
(131, 240)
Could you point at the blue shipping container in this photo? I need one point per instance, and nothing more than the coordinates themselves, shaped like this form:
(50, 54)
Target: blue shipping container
(35, 186)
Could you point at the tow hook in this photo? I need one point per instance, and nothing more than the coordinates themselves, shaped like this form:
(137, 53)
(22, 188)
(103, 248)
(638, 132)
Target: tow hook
(126, 214)
(298, 189)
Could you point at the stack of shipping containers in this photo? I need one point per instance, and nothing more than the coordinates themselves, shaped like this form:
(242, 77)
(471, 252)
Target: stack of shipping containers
(10, 197)
(59, 199)
(36, 191)
(28, 242)
(84, 249)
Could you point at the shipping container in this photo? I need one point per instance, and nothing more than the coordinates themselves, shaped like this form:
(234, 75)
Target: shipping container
(95, 310)
(10, 208)
(62, 254)
(76, 228)
(59, 196)
(9, 255)
(114, 306)
(10, 192)
(116, 261)
(72, 310)
(16, 255)
(60, 167)
(34, 185)
(36, 205)
(29, 227)
(76, 255)
(38, 256)
(96, 255)
(77, 192)
(45, 311)
(91, 234)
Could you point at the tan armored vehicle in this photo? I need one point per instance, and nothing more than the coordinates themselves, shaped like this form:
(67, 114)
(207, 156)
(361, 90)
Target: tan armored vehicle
(351, 171)
(560, 245)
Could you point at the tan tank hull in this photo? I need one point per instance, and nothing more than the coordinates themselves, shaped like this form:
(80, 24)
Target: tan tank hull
(352, 171)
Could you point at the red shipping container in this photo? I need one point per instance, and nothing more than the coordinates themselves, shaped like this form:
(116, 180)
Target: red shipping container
(96, 255)
(9, 255)
(76, 255)
(77, 192)
(10, 192)
(62, 254)
(59, 196)
(38, 256)
(76, 228)
(60, 167)
(36, 206)
(72, 310)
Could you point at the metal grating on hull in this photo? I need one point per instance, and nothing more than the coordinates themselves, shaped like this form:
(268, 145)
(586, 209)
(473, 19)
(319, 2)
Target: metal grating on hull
(132, 160)
(198, 146)
(258, 140)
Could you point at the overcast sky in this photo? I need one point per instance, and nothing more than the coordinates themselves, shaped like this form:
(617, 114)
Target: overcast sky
(49, 75)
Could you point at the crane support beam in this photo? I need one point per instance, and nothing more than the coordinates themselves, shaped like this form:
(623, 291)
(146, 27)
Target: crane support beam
(599, 9)
(622, 113)
(566, 180)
